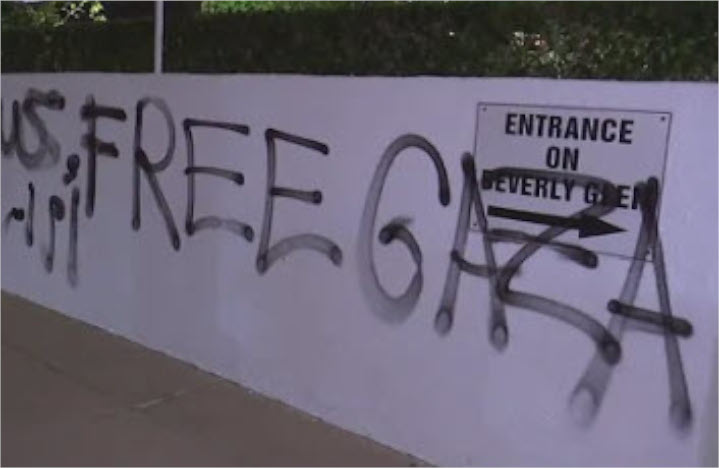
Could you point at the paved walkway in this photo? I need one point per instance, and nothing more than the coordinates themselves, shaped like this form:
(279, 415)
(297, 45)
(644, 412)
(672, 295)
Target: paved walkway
(75, 395)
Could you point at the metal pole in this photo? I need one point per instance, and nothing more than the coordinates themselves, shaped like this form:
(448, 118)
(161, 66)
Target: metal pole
(159, 25)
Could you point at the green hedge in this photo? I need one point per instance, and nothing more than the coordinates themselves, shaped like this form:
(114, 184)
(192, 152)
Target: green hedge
(609, 40)
(125, 46)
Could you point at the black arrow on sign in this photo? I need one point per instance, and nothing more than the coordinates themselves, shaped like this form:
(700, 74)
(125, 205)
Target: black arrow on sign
(587, 226)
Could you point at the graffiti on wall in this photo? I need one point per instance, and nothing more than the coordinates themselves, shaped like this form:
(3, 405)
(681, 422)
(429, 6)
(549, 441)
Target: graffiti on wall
(62, 211)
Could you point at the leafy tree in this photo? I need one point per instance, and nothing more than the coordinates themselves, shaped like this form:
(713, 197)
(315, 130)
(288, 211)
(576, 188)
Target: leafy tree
(50, 14)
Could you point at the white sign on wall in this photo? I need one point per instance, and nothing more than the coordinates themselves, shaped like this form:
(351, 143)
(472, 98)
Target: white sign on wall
(541, 166)
(309, 237)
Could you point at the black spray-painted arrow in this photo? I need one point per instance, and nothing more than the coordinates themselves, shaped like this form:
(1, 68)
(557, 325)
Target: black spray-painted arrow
(587, 226)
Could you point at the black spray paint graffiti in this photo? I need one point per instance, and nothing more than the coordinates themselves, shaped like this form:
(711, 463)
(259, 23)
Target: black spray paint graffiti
(150, 169)
(30, 215)
(587, 396)
(56, 210)
(589, 392)
(56, 213)
(266, 254)
(46, 155)
(94, 146)
(607, 345)
(90, 112)
(18, 214)
(48, 149)
(193, 225)
(73, 165)
(72, 247)
(394, 309)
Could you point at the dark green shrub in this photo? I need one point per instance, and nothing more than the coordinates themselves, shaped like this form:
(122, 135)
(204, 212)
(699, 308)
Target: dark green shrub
(608, 40)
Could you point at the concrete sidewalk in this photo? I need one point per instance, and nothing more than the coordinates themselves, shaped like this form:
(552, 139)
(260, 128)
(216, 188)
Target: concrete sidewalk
(73, 394)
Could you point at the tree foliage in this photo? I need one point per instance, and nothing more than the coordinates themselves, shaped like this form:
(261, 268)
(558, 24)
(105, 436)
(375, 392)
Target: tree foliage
(50, 14)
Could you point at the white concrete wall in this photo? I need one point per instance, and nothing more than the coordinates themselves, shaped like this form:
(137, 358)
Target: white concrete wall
(306, 331)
